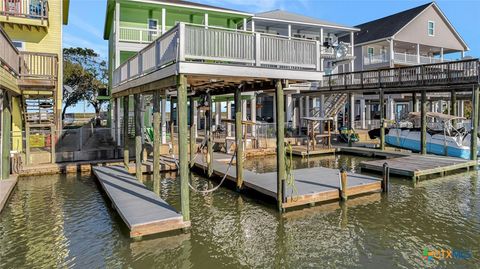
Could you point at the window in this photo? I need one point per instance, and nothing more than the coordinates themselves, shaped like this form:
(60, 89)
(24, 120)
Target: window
(152, 24)
(20, 45)
(370, 51)
(431, 28)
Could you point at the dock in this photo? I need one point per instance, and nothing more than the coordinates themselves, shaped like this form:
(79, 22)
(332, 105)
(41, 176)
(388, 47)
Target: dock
(415, 166)
(303, 151)
(6, 188)
(167, 164)
(318, 184)
(142, 210)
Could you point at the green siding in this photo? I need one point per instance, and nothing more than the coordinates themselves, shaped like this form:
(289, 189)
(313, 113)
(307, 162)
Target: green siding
(125, 55)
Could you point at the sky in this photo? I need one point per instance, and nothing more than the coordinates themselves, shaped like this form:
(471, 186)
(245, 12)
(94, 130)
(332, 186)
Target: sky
(87, 17)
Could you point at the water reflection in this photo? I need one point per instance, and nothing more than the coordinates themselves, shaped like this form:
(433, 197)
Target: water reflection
(65, 221)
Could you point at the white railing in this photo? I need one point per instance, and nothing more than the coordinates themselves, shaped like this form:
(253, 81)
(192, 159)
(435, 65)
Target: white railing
(37, 9)
(139, 35)
(376, 59)
(195, 43)
(413, 59)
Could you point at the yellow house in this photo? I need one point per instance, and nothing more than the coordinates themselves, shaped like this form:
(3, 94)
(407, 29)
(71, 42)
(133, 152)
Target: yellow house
(34, 39)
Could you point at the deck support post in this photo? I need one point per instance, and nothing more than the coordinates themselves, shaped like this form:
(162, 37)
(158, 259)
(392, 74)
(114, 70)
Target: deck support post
(382, 120)
(280, 142)
(238, 137)
(474, 133)
(423, 129)
(386, 177)
(453, 103)
(126, 154)
(208, 134)
(414, 102)
(183, 144)
(156, 140)
(6, 134)
(138, 137)
(351, 118)
(193, 129)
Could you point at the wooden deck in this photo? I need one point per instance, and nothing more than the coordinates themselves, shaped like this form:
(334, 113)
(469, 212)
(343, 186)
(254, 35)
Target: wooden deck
(6, 188)
(167, 164)
(302, 151)
(416, 166)
(142, 210)
(313, 185)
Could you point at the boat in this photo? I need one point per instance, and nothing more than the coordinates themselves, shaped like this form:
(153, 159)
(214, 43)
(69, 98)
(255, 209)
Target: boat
(346, 134)
(443, 136)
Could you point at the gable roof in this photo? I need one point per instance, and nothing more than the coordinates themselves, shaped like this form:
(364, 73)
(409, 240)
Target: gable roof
(284, 16)
(387, 26)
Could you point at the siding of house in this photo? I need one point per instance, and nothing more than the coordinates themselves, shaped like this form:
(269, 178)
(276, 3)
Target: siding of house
(417, 31)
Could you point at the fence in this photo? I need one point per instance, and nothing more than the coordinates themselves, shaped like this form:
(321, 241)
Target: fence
(34, 9)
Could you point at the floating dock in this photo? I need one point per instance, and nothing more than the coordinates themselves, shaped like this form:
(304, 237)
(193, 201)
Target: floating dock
(6, 188)
(167, 164)
(141, 209)
(416, 166)
(302, 151)
(313, 185)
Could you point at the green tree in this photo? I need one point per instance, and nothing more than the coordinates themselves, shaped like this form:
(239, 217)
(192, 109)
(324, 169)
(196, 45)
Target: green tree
(85, 75)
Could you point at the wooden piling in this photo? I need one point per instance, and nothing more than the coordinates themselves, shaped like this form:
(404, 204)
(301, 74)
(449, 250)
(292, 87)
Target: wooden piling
(6, 134)
(126, 154)
(280, 124)
(453, 103)
(138, 137)
(343, 184)
(238, 137)
(423, 129)
(386, 177)
(208, 132)
(351, 102)
(193, 142)
(474, 119)
(382, 120)
(156, 136)
(183, 144)
(414, 102)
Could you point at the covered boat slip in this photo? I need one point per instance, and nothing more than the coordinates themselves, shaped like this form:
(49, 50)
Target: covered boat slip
(143, 211)
(317, 184)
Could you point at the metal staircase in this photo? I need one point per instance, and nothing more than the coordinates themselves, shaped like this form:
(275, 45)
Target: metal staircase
(333, 104)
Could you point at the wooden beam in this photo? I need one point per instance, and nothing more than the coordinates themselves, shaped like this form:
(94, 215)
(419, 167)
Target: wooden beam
(423, 129)
(238, 137)
(183, 145)
(280, 106)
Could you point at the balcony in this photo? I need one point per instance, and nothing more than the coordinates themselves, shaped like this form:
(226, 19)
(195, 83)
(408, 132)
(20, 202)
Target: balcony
(399, 58)
(213, 51)
(138, 35)
(24, 12)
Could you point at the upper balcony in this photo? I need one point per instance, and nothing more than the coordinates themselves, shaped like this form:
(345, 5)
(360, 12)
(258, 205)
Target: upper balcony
(215, 54)
(27, 70)
(24, 12)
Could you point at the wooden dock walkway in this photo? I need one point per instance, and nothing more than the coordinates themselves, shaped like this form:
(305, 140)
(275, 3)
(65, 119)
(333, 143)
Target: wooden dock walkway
(6, 188)
(142, 210)
(313, 185)
(167, 164)
(416, 166)
(302, 151)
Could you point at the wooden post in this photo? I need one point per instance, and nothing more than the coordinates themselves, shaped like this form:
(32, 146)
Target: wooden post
(126, 157)
(382, 120)
(414, 102)
(156, 137)
(193, 128)
(386, 177)
(350, 120)
(6, 135)
(138, 137)
(183, 144)
(474, 133)
(423, 129)
(343, 184)
(238, 137)
(453, 103)
(208, 133)
(280, 142)
(53, 139)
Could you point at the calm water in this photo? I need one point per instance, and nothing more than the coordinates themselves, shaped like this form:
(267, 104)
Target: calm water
(65, 221)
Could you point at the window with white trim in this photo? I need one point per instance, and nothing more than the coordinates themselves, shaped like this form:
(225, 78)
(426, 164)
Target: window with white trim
(152, 24)
(431, 28)
(370, 51)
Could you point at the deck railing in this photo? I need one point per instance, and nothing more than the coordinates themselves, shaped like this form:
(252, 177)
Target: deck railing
(33, 9)
(447, 73)
(8, 54)
(138, 35)
(213, 45)
(36, 65)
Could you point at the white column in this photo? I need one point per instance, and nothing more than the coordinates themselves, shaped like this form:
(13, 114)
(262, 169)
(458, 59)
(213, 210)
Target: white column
(352, 110)
(295, 113)
(441, 54)
(218, 114)
(322, 111)
(362, 113)
(206, 20)
(300, 106)
(195, 117)
(418, 53)
(244, 109)
(392, 53)
(307, 106)
(253, 26)
(253, 113)
(289, 30)
(462, 54)
(164, 120)
(117, 34)
(117, 120)
(244, 24)
(229, 116)
(352, 63)
(368, 113)
(289, 108)
(164, 20)
(321, 46)
(461, 108)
